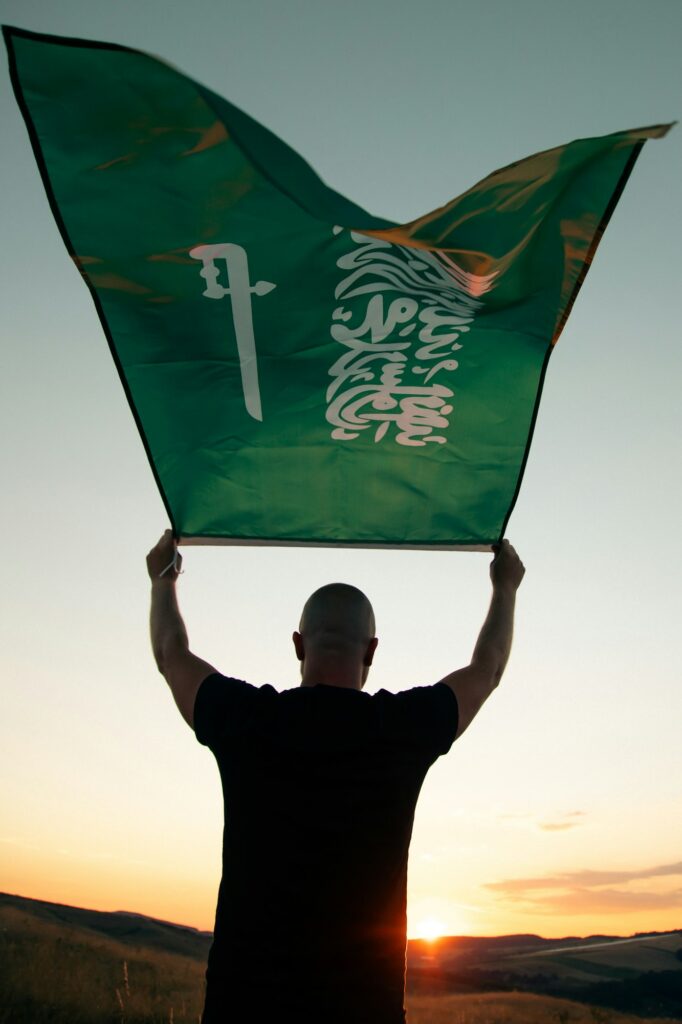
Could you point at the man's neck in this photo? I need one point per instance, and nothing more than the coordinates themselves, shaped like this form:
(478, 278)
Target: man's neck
(346, 677)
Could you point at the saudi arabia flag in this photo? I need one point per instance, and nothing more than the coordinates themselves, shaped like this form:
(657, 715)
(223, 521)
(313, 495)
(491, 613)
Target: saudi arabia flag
(300, 371)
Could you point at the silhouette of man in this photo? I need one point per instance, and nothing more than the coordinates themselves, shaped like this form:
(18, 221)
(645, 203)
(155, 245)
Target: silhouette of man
(320, 784)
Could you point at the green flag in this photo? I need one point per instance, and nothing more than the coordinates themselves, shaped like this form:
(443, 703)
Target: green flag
(300, 371)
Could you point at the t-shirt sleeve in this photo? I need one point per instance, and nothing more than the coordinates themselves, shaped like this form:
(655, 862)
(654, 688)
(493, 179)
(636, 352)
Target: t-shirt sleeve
(221, 708)
(425, 718)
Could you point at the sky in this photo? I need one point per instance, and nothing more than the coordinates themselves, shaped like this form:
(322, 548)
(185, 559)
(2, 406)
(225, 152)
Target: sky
(559, 812)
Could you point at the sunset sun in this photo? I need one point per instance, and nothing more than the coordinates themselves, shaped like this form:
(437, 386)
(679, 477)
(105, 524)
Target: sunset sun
(429, 928)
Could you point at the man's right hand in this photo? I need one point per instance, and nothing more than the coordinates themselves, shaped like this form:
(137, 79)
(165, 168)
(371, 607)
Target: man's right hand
(506, 569)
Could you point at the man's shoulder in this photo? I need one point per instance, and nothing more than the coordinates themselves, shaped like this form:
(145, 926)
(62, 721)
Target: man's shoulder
(423, 715)
(411, 694)
(222, 702)
(216, 682)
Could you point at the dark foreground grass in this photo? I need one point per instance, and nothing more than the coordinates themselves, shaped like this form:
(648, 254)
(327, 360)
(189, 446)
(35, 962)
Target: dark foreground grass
(56, 974)
(514, 1008)
(53, 974)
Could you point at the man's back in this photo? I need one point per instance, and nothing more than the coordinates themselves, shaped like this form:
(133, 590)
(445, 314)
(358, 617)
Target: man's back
(320, 787)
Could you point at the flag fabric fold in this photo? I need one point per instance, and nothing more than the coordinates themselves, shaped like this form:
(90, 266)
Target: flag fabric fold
(299, 370)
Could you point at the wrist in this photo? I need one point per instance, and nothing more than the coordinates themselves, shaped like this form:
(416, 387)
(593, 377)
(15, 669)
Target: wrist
(161, 582)
(507, 587)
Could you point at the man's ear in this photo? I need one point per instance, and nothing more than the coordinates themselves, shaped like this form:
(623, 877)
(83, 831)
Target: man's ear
(298, 645)
(369, 653)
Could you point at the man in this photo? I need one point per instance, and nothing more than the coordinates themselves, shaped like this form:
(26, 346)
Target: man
(320, 785)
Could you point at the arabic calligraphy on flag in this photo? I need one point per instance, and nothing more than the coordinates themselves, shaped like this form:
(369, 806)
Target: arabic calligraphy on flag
(401, 316)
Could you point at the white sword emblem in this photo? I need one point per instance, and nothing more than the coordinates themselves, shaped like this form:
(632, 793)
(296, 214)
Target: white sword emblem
(239, 289)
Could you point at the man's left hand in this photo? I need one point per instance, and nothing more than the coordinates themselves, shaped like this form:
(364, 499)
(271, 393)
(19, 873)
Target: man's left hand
(164, 561)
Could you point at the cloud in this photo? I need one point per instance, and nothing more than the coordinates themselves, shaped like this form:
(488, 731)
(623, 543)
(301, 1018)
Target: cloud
(588, 891)
(586, 878)
(608, 901)
(570, 820)
(558, 824)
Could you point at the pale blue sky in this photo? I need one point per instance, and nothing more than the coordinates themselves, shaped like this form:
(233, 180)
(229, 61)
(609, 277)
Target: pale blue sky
(400, 107)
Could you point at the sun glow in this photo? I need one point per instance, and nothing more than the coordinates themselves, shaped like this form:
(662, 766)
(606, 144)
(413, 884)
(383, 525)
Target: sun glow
(429, 928)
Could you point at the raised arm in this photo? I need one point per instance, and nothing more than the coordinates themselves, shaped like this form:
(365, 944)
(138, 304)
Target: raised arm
(473, 685)
(182, 670)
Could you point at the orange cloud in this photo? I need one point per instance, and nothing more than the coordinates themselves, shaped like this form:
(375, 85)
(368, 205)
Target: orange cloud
(589, 892)
(607, 901)
(560, 824)
(570, 820)
(585, 878)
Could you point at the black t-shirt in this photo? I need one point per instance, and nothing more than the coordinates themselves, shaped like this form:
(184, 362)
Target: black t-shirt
(320, 786)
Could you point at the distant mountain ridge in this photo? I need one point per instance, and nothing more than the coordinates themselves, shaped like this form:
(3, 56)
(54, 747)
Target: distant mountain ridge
(122, 925)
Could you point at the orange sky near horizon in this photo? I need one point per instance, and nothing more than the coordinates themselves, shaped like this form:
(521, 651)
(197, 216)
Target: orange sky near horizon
(191, 903)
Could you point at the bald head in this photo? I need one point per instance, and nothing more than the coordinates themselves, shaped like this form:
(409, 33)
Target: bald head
(337, 629)
(337, 614)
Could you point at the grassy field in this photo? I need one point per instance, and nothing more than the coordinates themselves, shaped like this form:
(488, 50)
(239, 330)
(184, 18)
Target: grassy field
(53, 973)
(512, 1008)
